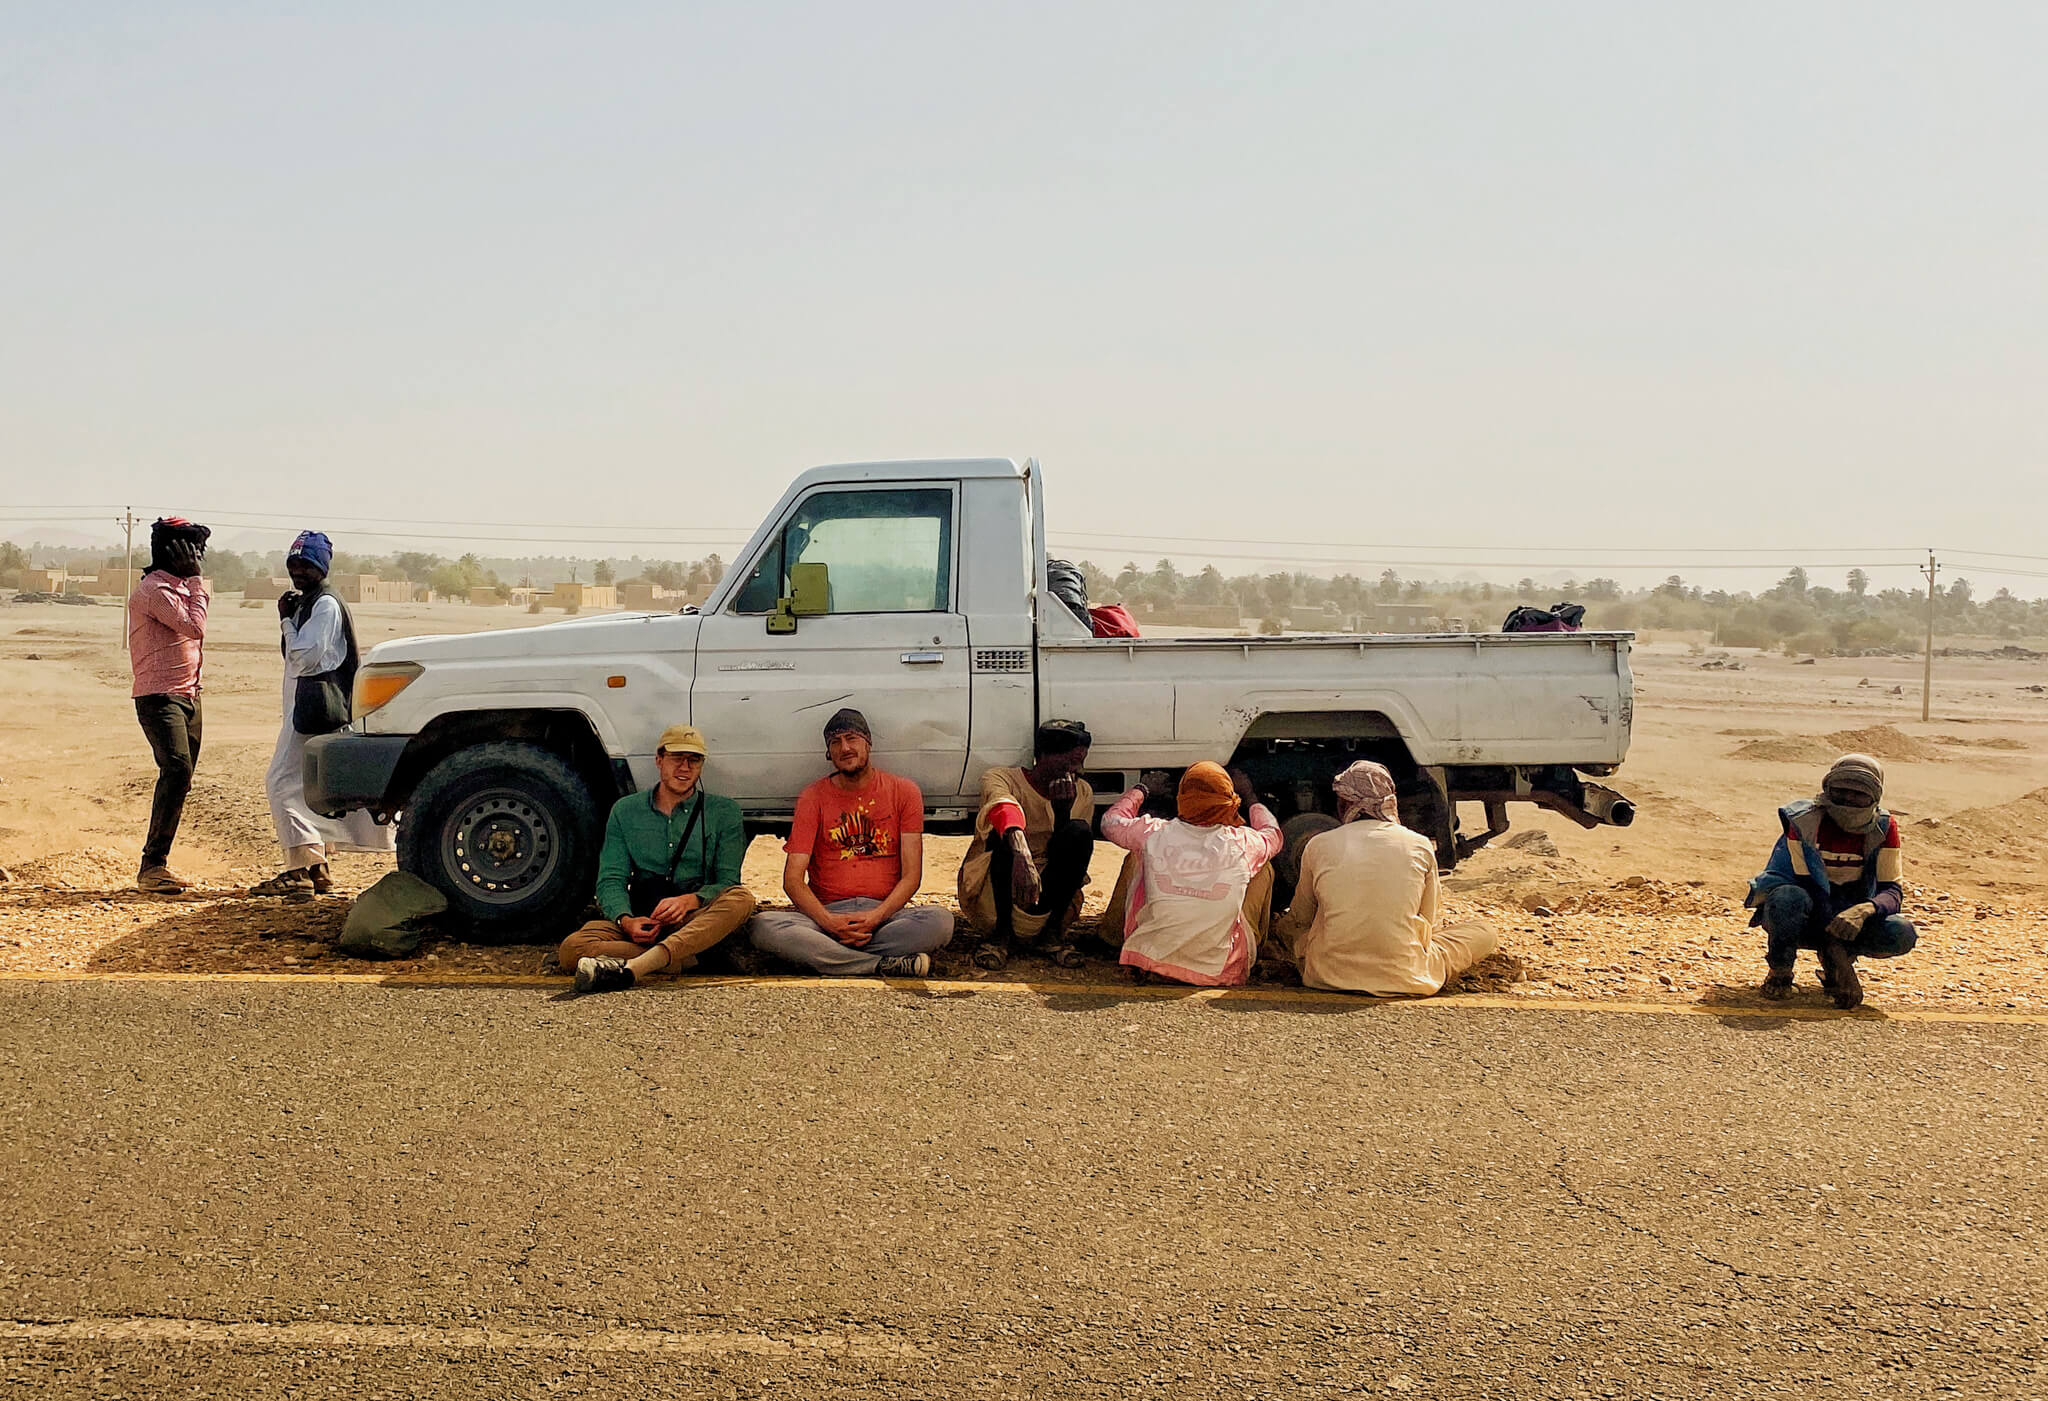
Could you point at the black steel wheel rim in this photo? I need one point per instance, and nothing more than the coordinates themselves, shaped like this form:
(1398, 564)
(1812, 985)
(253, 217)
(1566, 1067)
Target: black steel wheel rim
(501, 846)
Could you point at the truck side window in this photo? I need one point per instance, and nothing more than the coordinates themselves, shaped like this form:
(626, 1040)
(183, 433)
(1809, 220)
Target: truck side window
(764, 585)
(885, 552)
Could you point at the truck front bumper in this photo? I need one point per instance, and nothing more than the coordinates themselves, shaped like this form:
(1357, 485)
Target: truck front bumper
(346, 770)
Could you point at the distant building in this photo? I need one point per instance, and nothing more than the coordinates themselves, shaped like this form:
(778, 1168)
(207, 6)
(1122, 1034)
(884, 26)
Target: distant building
(575, 597)
(1393, 617)
(266, 590)
(43, 580)
(640, 594)
(1192, 615)
(1326, 618)
(368, 588)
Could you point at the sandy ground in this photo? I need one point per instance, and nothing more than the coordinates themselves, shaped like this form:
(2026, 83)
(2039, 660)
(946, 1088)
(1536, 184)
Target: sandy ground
(1647, 913)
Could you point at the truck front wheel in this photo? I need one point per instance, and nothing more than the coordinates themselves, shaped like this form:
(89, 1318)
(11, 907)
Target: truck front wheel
(510, 833)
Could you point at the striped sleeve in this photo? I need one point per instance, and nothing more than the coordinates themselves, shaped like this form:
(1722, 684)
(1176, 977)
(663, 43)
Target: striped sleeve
(1890, 858)
(1795, 852)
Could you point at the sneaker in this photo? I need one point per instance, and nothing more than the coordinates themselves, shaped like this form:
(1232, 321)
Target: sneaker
(915, 965)
(1777, 984)
(602, 975)
(1838, 969)
(161, 880)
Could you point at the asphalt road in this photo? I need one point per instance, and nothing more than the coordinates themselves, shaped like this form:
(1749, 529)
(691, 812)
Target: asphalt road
(321, 1189)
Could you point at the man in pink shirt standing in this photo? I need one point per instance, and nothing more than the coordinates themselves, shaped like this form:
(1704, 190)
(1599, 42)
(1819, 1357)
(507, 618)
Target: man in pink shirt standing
(166, 646)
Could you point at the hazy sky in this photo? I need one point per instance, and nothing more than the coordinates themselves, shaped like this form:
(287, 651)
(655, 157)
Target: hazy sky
(1593, 275)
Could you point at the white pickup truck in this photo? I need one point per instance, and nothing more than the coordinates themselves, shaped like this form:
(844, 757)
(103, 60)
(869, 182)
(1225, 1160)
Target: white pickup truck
(917, 592)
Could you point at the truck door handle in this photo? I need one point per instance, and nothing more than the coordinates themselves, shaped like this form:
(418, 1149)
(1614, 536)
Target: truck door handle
(924, 658)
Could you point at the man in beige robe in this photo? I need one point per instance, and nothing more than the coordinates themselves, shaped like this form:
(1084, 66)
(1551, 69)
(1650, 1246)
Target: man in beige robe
(1033, 837)
(1365, 912)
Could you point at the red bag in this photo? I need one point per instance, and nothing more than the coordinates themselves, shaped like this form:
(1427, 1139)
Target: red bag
(1113, 620)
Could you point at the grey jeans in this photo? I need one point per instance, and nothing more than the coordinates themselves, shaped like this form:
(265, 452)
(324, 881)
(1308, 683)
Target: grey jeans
(790, 935)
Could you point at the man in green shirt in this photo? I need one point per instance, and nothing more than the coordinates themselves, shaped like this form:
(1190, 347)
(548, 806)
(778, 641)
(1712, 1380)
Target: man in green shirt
(668, 880)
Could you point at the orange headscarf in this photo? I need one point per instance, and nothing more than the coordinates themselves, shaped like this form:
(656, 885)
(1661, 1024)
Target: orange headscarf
(1207, 797)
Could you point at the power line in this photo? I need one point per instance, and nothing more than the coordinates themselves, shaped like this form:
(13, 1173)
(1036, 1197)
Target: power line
(1779, 551)
(1666, 563)
(1372, 557)
(1770, 556)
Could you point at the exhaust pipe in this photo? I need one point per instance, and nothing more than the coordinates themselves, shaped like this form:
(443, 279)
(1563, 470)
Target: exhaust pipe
(1603, 804)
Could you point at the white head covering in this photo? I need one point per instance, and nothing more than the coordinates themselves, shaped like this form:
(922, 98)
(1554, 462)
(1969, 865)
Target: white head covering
(1365, 789)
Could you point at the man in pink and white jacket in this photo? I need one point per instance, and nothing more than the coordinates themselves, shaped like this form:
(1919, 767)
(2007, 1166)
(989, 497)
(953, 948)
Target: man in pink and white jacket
(1186, 916)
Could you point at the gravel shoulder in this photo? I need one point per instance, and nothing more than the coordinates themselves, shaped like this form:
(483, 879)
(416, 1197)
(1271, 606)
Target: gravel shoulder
(1650, 913)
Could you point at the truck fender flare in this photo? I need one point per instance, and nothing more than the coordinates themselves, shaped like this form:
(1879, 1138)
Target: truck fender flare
(600, 724)
(1379, 714)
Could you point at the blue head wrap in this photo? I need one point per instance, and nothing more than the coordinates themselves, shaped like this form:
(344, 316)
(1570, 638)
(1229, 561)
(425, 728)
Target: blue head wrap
(313, 547)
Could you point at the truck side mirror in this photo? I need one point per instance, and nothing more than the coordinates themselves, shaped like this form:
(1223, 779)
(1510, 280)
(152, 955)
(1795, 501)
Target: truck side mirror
(810, 590)
(810, 596)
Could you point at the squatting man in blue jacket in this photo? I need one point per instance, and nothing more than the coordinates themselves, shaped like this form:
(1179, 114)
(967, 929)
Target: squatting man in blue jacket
(1832, 884)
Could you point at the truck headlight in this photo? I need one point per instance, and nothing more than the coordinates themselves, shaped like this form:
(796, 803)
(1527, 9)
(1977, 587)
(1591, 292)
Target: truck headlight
(378, 683)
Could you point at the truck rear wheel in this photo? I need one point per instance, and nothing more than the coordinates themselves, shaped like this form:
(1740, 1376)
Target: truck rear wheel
(510, 833)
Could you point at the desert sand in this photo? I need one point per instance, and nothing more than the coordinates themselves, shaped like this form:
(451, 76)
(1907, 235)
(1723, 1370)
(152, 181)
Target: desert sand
(1651, 912)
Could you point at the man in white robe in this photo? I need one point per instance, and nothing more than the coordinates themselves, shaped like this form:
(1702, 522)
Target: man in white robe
(319, 641)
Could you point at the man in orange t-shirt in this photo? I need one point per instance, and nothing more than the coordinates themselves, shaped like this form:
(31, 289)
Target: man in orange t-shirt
(855, 856)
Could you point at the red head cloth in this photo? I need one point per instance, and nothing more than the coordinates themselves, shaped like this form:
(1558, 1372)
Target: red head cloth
(1207, 797)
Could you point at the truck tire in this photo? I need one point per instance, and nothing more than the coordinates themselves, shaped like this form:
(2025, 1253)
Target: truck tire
(1295, 833)
(510, 834)
(1425, 809)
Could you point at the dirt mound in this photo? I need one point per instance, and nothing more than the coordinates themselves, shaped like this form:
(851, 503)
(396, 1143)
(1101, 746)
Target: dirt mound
(1878, 741)
(1744, 732)
(1642, 896)
(88, 868)
(1967, 742)
(1881, 742)
(2016, 827)
(1788, 749)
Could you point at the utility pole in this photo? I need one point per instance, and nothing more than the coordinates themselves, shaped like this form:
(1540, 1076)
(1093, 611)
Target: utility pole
(1930, 569)
(126, 520)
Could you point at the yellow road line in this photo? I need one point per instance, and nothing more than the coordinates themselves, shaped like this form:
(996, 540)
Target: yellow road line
(187, 1331)
(1123, 992)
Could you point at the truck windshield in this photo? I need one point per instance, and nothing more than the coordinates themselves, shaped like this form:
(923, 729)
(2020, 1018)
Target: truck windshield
(884, 551)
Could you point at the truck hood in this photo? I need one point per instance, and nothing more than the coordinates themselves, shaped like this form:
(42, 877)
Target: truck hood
(572, 637)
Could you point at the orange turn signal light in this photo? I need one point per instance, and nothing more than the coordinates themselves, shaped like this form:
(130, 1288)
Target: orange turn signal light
(377, 684)
(617, 683)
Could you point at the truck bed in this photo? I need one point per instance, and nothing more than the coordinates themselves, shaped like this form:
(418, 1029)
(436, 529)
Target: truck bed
(1454, 698)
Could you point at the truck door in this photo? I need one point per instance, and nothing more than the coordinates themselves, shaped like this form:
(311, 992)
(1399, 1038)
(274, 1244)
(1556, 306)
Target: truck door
(891, 642)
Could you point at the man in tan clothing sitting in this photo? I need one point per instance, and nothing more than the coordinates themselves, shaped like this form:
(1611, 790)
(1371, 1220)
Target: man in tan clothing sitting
(1024, 875)
(1364, 917)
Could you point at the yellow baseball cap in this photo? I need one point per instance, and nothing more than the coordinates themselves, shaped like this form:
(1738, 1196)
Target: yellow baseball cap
(682, 739)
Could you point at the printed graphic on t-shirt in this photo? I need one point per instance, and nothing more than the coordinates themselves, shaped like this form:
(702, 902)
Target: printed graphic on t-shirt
(857, 835)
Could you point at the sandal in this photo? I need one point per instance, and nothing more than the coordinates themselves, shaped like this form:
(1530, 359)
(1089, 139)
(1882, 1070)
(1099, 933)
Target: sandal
(992, 955)
(292, 882)
(1065, 956)
(322, 878)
